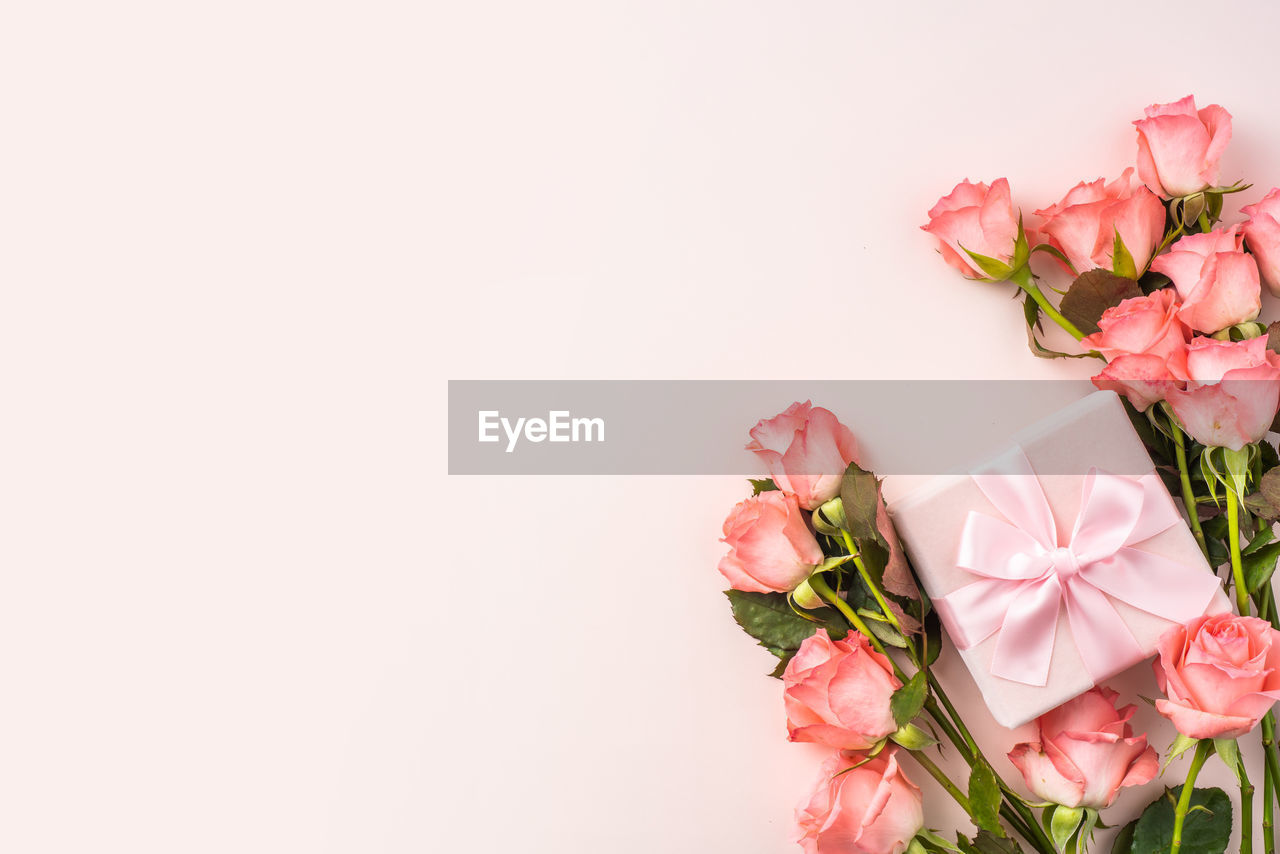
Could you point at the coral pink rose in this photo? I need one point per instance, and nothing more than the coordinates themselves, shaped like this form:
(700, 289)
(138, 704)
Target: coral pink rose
(771, 549)
(1147, 324)
(837, 693)
(978, 218)
(806, 450)
(1217, 281)
(1179, 147)
(1221, 674)
(871, 809)
(1232, 393)
(1083, 226)
(1262, 234)
(1086, 753)
(1143, 379)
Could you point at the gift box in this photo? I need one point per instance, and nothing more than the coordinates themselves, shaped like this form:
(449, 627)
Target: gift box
(1057, 563)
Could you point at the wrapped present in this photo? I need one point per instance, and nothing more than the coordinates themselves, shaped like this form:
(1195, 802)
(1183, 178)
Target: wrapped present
(1059, 563)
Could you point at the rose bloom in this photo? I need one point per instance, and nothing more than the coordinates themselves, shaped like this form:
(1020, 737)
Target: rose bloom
(871, 809)
(1147, 324)
(1086, 753)
(837, 693)
(1084, 224)
(1221, 674)
(978, 218)
(1144, 379)
(1232, 390)
(1217, 281)
(1262, 234)
(771, 549)
(806, 450)
(1179, 147)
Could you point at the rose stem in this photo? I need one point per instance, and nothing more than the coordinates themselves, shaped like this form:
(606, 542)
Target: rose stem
(1025, 280)
(1184, 800)
(943, 780)
(1188, 493)
(1246, 806)
(1268, 812)
(1237, 569)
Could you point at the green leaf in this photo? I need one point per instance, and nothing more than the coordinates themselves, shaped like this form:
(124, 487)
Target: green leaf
(1206, 830)
(912, 737)
(908, 700)
(1092, 293)
(765, 484)
(984, 798)
(770, 619)
(1229, 752)
(1180, 745)
(1266, 501)
(860, 495)
(932, 638)
(1121, 261)
(1064, 824)
(996, 270)
(1260, 565)
(1123, 843)
(987, 842)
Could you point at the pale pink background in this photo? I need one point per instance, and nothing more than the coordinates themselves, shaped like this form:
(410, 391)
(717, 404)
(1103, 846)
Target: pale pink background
(245, 245)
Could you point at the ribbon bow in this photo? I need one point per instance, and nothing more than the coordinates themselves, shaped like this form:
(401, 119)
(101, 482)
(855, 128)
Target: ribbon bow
(1026, 575)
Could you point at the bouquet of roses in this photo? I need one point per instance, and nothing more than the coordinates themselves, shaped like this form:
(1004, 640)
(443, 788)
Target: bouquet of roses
(1168, 297)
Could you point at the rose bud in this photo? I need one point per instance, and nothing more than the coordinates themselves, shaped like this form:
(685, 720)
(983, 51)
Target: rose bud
(1147, 324)
(1262, 235)
(1179, 147)
(837, 693)
(1143, 379)
(1232, 391)
(1083, 226)
(870, 808)
(979, 219)
(771, 549)
(1086, 753)
(806, 451)
(1221, 674)
(1217, 281)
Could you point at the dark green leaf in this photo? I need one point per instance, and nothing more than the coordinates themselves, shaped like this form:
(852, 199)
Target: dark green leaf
(987, 842)
(770, 619)
(1123, 843)
(762, 485)
(932, 638)
(860, 495)
(1031, 311)
(1094, 292)
(985, 797)
(1266, 501)
(1259, 565)
(908, 700)
(1205, 831)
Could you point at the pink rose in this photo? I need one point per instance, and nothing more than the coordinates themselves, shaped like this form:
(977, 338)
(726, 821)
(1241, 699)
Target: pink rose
(771, 548)
(1084, 224)
(871, 809)
(978, 218)
(837, 693)
(1147, 324)
(1220, 675)
(1232, 393)
(1179, 148)
(1217, 281)
(806, 450)
(1086, 753)
(1145, 380)
(1262, 234)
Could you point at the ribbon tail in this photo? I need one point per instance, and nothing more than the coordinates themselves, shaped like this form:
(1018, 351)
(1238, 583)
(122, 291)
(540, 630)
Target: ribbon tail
(1024, 647)
(1105, 643)
(1155, 584)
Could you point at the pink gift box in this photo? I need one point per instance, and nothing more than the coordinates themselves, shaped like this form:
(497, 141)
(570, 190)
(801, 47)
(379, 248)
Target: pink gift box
(933, 519)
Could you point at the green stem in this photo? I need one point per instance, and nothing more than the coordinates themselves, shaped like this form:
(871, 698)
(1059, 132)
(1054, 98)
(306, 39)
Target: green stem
(1268, 813)
(1023, 279)
(1188, 493)
(943, 780)
(1246, 807)
(1203, 749)
(879, 596)
(1205, 225)
(820, 586)
(1237, 568)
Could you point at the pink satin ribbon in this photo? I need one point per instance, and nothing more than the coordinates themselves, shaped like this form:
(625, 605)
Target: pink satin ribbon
(1025, 576)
